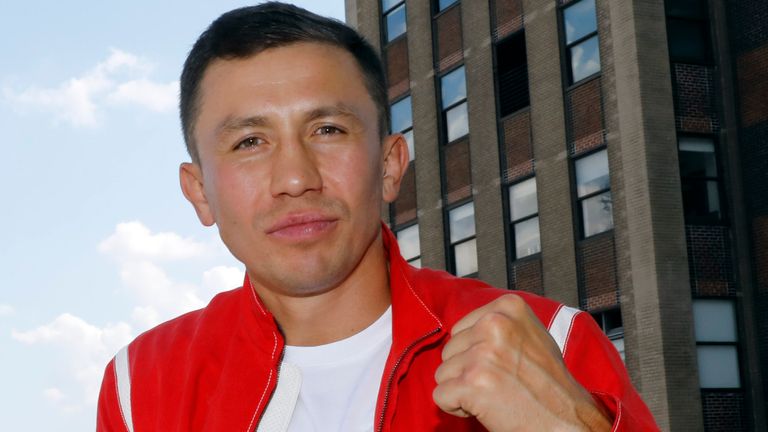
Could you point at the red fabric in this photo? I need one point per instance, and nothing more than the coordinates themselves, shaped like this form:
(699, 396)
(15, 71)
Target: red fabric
(215, 369)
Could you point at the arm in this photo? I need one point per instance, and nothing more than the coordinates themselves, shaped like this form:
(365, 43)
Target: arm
(502, 367)
(109, 417)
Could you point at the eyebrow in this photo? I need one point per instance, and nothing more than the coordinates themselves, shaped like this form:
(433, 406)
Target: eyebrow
(232, 123)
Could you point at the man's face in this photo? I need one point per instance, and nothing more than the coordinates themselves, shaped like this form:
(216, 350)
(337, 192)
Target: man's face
(291, 165)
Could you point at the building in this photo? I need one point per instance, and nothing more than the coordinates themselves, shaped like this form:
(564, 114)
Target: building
(609, 154)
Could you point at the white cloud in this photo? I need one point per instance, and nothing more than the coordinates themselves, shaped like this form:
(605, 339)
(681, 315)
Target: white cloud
(6, 310)
(148, 94)
(143, 258)
(122, 78)
(86, 349)
(54, 394)
(133, 241)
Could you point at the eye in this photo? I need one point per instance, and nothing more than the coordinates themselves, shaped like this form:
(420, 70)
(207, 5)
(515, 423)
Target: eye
(249, 142)
(328, 130)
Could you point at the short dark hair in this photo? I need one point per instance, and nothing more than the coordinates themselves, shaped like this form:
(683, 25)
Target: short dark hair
(247, 31)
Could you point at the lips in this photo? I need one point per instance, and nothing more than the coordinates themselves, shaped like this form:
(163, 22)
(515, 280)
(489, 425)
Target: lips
(302, 226)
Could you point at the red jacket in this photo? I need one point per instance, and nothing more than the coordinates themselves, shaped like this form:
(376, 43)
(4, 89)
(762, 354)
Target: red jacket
(215, 369)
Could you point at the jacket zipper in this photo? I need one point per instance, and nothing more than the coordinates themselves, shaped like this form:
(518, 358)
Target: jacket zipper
(392, 376)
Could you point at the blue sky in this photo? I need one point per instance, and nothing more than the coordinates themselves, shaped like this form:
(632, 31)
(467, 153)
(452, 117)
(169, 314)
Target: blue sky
(97, 243)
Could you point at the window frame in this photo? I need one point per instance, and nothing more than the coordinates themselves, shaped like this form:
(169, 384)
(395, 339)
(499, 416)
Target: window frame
(735, 344)
(443, 121)
(511, 223)
(384, 28)
(704, 220)
(451, 245)
(436, 11)
(403, 227)
(567, 47)
(411, 154)
(579, 210)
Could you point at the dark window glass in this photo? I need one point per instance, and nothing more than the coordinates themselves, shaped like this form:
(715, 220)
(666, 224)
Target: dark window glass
(688, 40)
(512, 64)
(585, 59)
(686, 8)
(699, 180)
(580, 20)
(395, 22)
(453, 87)
(611, 323)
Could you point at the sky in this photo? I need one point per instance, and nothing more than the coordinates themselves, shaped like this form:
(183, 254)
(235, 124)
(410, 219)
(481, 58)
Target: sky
(97, 243)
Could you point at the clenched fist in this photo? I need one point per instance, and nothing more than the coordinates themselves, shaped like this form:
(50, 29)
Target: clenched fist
(502, 367)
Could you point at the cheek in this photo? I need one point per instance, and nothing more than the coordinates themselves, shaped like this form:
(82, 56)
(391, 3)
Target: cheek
(354, 174)
(234, 188)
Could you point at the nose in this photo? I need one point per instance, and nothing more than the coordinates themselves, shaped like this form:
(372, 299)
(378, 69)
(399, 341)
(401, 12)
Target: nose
(294, 170)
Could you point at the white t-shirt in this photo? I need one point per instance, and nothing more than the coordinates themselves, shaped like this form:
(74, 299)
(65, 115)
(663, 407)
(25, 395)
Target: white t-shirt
(338, 383)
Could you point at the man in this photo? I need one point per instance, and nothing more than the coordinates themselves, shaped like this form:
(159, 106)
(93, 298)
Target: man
(284, 114)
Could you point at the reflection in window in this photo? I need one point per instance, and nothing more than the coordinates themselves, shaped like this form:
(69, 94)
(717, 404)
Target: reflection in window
(443, 4)
(581, 40)
(410, 247)
(700, 180)
(716, 343)
(524, 217)
(402, 122)
(394, 17)
(461, 224)
(453, 92)
(593, 193)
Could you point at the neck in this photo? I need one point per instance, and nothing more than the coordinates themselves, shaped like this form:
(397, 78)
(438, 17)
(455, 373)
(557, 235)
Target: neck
(337, 313)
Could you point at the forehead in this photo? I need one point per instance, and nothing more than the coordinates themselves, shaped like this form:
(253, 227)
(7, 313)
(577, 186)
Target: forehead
(296, 76)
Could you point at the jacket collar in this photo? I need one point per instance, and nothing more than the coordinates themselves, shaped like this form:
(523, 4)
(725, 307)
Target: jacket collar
(411, 318)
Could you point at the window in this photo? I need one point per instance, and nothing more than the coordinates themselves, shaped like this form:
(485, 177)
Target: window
(410, 247)
(394, 18)
(402, 122)
(581, 40)
(594, 194)
(461, 223)
(714, 323)
(453, 92)
(512, 63)
(524, 217)
(441, 5)
(613, 327)
(688, 31)
(699, 179)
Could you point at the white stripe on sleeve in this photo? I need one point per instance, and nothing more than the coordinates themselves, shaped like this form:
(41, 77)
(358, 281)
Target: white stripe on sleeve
(123, 378)
(560, 327)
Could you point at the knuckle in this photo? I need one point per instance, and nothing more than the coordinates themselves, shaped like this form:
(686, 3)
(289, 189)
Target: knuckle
(512, 303)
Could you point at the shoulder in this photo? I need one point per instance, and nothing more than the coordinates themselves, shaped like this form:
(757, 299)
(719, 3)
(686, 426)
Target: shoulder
(184, 330)
(451, 297)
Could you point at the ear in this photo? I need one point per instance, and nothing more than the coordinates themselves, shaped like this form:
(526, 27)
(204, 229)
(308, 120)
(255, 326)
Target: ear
(395, 164)
(191, 179)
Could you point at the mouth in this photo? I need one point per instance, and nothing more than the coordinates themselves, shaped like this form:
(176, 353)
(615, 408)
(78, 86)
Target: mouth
(300, 227)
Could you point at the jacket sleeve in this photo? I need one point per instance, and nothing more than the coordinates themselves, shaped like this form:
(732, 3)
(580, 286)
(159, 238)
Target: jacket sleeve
(596, 365)
(109, 417)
